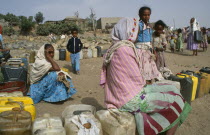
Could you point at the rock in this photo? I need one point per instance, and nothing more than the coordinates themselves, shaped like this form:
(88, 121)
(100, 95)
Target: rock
(31, 39)
(15, 46)
(14, 37)
(64, 44)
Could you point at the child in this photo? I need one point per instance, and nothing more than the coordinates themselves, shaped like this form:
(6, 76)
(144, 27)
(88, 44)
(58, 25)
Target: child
(74, 46)
(204, 43)
(172, 43)
(159, 44)
(179, 43)
(148, 66)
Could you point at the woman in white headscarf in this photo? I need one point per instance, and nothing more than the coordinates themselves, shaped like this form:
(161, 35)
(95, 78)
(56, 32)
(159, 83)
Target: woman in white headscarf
(48, 81)
(191, 43)
(157, 107)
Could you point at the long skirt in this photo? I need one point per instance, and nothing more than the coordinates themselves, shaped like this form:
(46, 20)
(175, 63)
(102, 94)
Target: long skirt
(191, 44)
(50, 90)
(157, 108)
(148, 66)
(160, 60)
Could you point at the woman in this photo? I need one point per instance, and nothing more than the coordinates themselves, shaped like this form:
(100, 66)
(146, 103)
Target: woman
(157, 108)
(191, 44)
(48, 82)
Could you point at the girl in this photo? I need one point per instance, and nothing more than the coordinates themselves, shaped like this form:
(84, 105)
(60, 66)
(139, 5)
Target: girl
(144, 38)
(179, 43)
(204, 43)
(159, 44)
(172, 43)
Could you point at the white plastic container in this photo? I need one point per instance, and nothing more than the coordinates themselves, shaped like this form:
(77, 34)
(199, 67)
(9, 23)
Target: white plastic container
(56, 55)
(81, 54)
(94, 52)
(13, 94)
(48, 126)
(90, 53)
(115, 122)
(73, 110)
(174, 83)
(73, 129)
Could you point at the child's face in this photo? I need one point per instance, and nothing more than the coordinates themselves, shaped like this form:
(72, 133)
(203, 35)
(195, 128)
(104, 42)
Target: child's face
(74, 33)
(145, 16)
(159, 30)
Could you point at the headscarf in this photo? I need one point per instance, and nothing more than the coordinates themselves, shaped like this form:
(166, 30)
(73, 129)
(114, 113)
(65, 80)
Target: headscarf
(1, 29)
(195, 26)
(124, 33)
(125, 29)
(40, 67)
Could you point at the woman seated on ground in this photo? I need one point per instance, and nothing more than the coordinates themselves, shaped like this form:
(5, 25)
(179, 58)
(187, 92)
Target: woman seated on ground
(48, 81)
(157, 108)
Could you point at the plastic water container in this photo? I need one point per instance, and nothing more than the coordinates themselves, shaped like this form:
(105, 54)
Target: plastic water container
(48, 126)
(94, 53)
(62, 54)
(56, 55)
(174, 83)
(68, 56)
(15, 122)
(81, 54)
(85, 53)
(90, 53)
(115, 122)
(12, 94)
(73, 110)
(73, 129)
(99, 51)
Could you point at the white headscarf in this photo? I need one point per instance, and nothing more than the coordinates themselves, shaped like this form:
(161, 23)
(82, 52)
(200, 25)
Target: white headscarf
(125, 29)
(124, 33)
(195, 26)
(40, 67)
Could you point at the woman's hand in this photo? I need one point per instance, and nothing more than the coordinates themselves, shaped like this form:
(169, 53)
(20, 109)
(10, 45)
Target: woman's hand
(47, 55)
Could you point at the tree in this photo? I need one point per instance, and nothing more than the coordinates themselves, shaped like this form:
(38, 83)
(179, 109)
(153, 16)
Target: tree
(39, 17)
(12, 19)
(27, 25)
(2, 16)
(93, 18)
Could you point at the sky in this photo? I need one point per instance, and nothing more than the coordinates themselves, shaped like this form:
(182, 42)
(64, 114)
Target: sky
(167, 10)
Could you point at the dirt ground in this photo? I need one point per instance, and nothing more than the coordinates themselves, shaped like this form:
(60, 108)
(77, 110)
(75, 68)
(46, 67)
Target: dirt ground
(89, 91)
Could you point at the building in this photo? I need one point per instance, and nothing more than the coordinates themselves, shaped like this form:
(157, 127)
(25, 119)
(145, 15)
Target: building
(107, 22)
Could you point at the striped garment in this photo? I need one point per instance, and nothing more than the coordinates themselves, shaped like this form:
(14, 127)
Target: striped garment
(157, 108)
(122, 79)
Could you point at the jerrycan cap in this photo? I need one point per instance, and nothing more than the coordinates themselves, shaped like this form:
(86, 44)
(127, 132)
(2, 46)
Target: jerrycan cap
(16, 109)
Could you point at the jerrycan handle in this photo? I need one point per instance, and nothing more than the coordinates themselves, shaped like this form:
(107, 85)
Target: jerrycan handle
(19, 103)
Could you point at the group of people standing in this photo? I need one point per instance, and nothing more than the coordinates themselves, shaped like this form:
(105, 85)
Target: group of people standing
(188, 34)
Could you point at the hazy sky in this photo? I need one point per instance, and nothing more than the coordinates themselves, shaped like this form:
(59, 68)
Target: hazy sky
(167, 10)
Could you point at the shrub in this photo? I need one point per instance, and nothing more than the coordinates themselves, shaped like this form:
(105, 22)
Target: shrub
(8, 31)
(58, 29)
(27, 25)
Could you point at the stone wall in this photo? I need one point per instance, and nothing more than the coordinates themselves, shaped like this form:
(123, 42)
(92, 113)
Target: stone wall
(101, 23)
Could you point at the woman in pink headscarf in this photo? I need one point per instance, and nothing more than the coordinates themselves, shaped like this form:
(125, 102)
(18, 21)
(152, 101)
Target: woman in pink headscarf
(157, 108)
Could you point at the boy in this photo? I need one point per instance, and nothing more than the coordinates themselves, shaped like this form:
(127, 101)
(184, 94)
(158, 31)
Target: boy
(74, 46)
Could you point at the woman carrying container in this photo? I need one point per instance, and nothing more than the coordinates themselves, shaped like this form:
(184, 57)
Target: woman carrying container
(48, 81)
(157, 108)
